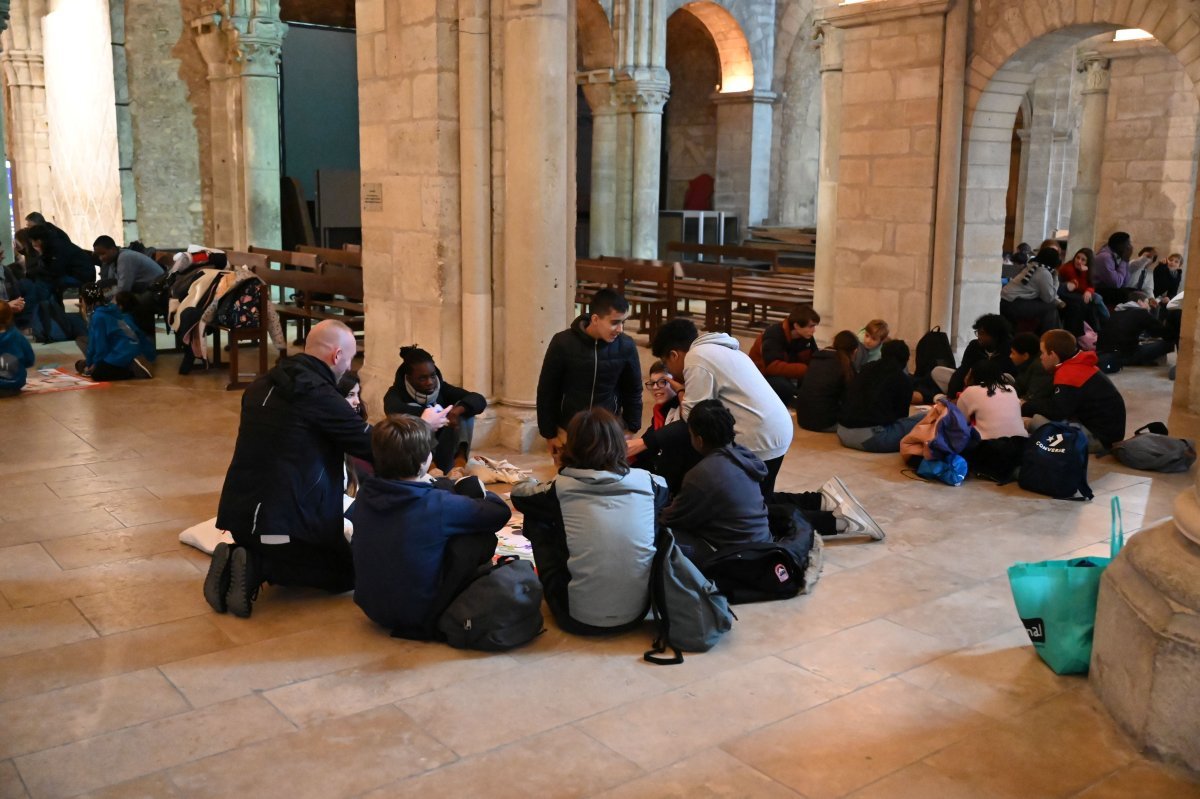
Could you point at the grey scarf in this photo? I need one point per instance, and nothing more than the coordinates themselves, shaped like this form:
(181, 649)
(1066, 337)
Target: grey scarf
(425, 400)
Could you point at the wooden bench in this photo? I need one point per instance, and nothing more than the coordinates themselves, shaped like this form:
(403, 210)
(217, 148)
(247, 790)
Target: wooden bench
(331, 256)
(745, 257)
(710, 284)
(236, 335)
(650, 288)
(328, 292)
(593, 275)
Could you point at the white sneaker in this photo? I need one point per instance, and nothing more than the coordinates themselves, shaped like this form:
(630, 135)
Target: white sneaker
(848, 508)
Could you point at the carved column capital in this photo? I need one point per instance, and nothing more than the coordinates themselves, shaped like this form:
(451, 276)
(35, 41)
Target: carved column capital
(643, 97)
(244, 38)
(1096, 70)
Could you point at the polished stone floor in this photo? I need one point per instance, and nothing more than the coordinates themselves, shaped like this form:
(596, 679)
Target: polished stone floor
(905, 674)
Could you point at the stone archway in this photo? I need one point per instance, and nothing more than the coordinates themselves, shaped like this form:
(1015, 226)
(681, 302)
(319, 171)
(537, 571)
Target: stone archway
(733, 50)
(1006, 47)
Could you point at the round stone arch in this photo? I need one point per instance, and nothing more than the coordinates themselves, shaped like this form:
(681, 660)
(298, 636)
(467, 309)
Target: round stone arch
(1008, 45)
(595, 47)
(739, 66)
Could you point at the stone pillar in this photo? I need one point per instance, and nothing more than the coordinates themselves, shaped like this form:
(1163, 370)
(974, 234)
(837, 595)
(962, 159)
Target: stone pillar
(242, 47)
(642, 101)
(5, 216)
(539, 209)
(1146, 656)
(827, 172)
(744, 154)
(1091, 150)
(602, 226)
(129, 231)
(1022, 186)
(27, 133)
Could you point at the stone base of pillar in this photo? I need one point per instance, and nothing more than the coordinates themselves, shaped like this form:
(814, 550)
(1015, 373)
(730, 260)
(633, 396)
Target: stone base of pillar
(1146, 657)
(509, 427)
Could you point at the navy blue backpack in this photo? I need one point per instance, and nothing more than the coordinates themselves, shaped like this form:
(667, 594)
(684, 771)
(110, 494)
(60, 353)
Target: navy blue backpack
(1055, 462)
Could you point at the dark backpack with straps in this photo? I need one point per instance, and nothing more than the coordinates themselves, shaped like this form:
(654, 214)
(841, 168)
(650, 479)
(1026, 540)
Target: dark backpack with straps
(500, 609)
(764, 571)
(692, 616)
(1055, 462)
(933, 349)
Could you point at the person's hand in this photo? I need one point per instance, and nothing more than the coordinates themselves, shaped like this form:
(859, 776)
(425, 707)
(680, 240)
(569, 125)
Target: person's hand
(17, 305)
(1087, 296)
(1072, 285)
(455, 416)
(634, 447)
(435, 417)
(675, 384)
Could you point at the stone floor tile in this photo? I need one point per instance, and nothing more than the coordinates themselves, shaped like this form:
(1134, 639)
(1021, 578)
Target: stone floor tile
(154, 786)
(867, 653)
(1144, 779)
(712, 774)
(338, 758)
(148, 508)
(1054, 749)
(11, 786)
(119, 544)
(662, 729)
(416, 668)
(965, 617)
(41, 721)
(143, 605)
(854, 740)
(52, 583)
(81, 487)
(147, 748)
(561, 763)
(54, 475)
(263, 665)
(186, 486)
(41, 627)
(94, 658)
(483, 713)
(23, 507)
(1001, 677)
(61, 525)
(283, 611)
(920, 781)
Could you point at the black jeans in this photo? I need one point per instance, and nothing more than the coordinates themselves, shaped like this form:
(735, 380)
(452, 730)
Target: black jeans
(328, 566)
(104, 372)
(809, 504)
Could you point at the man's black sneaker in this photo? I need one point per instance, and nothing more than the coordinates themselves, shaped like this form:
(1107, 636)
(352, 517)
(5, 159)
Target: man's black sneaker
(245, 577)
(216, 584)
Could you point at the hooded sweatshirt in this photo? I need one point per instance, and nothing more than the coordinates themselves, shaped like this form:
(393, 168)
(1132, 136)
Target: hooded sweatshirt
(720, 501)
(285, 480)
(112, 337)
(715, 369)
(15, 346)
(401, 529)
(1109, 271)
(581, 372)
(607, 521)
(1084, 394)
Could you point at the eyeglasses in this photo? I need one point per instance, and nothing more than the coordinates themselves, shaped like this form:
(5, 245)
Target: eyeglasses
(652, 384)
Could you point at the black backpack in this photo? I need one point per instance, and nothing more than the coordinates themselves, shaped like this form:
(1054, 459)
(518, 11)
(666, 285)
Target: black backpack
(1055, 462)
(933, 349)
(765, 571)
(500, 609)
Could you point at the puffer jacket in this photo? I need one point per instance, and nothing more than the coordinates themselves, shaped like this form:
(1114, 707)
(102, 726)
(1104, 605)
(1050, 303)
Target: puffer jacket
(580, 372)
(285, 478)
(112, 337)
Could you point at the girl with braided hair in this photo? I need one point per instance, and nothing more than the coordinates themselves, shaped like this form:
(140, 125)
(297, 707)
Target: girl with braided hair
(419, 385)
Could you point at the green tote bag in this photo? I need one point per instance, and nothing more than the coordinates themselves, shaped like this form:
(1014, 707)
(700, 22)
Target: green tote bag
(1056, 600)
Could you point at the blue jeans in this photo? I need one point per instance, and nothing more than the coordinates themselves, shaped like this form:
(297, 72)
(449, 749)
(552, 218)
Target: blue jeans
(880, 438)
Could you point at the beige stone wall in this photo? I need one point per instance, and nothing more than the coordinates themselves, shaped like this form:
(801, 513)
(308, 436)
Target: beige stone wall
(162, 66)
(409, 147)
(887, 174)
(1149, 168)
(691, 116)
(81, 112)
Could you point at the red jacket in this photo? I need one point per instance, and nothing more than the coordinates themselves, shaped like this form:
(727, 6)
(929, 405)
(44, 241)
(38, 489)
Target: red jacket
(1082, 280)
(1085, 394)
(775, 352)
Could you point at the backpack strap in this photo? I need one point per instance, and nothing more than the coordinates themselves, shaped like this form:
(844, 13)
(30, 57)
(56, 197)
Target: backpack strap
(658, 593)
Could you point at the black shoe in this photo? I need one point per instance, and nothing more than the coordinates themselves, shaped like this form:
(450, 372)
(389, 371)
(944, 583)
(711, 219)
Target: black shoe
(245, 577)
(216, 584)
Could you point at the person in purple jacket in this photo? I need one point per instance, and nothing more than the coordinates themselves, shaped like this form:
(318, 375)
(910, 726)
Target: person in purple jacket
(1110, 268)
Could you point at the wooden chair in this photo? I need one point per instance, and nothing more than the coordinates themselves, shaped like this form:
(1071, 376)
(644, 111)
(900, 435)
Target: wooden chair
(257, 263)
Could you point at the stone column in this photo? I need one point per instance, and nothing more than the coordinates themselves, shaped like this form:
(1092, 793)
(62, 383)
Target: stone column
(124, 115)
(5, 217)
(28, 136)
(602, 226)
(1022, 186)
(242, 47)
(1091, 150)
(642, 102)
(827, 172)
(539, 210)
(744, 154)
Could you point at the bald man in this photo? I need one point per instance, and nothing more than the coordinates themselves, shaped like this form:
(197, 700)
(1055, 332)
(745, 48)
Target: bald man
(282, 498)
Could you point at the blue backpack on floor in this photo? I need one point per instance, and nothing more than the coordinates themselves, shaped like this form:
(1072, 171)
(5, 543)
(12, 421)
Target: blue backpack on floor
(1055, 462)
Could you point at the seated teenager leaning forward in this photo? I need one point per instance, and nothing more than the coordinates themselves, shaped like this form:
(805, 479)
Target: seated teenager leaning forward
(16, 356)
(874, 416)
(830, 372)
(416, 541)
(590, 364)
(419, 385)
(116, 348)
(782, 352)
(713, 367)
(592, 528)
(1121, 343)
(664, 389)
(1083, 395)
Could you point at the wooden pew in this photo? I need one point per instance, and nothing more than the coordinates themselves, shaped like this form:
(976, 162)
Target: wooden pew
(711, 284)
(331, 256)
(593, 275)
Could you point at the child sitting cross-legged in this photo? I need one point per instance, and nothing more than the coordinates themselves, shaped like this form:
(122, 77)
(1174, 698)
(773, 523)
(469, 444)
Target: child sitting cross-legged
(15, 353)
(416, 540)
(117, 349)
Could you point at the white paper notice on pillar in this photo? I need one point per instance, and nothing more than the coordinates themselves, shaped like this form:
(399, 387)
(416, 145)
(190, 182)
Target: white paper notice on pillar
(372, 196)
